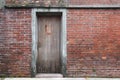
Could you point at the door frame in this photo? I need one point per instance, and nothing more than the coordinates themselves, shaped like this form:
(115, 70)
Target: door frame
(35, 38)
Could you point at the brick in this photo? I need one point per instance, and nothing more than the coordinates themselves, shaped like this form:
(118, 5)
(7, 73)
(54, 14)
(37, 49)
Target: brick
(93, 42)
(15, 48)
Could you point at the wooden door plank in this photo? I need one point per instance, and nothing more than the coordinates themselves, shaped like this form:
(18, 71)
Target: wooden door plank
(48, 60)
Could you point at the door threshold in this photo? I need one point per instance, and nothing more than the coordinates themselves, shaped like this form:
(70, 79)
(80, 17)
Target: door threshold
(49, 75)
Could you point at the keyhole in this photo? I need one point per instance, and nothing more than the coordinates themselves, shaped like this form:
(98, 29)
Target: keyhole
(47, 29)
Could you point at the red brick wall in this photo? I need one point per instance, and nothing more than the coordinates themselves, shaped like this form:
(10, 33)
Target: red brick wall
(15, 42)
(93, 42)
(2, 41)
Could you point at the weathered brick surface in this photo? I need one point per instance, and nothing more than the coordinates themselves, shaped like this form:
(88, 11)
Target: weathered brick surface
(93, 43)
(62, 2)
(46, 3)
(93, 47)
(15, 42)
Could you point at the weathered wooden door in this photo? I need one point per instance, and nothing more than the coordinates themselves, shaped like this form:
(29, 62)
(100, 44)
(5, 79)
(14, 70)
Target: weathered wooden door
(48, 59)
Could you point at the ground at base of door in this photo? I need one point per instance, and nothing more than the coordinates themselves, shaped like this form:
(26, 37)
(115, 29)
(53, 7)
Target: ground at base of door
(62, 79)
(49, 76)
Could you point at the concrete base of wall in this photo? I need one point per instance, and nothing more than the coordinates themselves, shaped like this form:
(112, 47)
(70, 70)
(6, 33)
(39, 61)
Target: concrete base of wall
(62, 79)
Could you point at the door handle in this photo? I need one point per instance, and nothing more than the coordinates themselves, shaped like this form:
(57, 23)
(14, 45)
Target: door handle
(48, 29)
